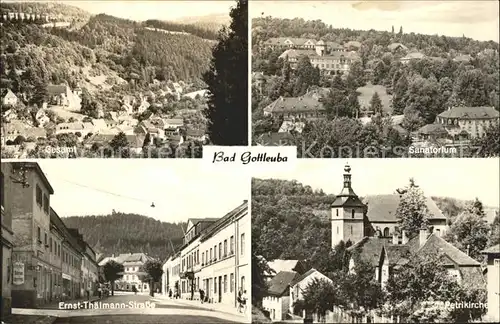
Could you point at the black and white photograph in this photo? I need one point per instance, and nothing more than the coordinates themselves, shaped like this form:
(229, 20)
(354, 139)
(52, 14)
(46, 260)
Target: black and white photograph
(377, 79)
(122, 79)
(131, 241)
(377, 241)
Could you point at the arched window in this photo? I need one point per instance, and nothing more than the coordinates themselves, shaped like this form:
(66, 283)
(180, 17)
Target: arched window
(438, 232)
(386, 232)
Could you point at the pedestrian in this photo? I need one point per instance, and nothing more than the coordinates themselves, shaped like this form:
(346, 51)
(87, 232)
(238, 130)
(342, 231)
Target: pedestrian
(170, 293)
(134, 290)
(239, 299)
(99, 291)
(202, 295)
(244, 301)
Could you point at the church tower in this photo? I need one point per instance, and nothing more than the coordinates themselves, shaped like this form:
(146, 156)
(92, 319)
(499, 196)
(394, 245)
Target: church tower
(348, 213)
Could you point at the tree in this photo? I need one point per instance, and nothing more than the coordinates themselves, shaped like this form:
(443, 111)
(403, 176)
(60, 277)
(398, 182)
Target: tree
(489, 144)
(113, 271)
(120, 145)
(259, 285)
(470, 231)
(417, 290)
(19, 140)
(153, 272)
(494, 237)
(319, 297)
(228, 99)
(412, 211)
(376, 104)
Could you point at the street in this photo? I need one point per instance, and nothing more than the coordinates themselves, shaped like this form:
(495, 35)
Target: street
(130, 308)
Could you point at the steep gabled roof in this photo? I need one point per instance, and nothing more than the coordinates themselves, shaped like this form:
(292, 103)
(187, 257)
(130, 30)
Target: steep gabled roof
(369, 249)
(279, 284)
(383, 208)
(492, 250)
(303, 276)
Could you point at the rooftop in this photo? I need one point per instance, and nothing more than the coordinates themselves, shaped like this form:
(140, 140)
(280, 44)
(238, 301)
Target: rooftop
(279, 284)
(470, 113)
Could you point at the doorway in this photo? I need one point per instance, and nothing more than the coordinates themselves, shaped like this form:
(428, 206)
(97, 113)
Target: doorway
(220, 289)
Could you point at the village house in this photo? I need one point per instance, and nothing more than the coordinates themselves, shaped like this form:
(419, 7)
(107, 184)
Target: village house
(173, 126)
(300, 283)
(411, 56)
(396, 47)
(459, 124)
(493, 282)
(352, 46)
(60, 95)
(291, 108)
(78, 128)
(277, 299)
(195, 135)
(10, 131)
(42, 118)
(8, 98)
(296, 43)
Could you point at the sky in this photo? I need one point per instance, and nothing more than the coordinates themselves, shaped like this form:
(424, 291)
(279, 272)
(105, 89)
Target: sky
(155, 9)
(475, 19)
(180, 189)
(463, 179)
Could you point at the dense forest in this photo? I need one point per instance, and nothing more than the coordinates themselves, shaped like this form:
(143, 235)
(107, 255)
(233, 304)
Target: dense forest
(51, 9)
(420, 90)
(123, 233)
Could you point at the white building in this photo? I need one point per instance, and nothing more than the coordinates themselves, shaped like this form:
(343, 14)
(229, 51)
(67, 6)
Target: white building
(300, 283)
(277, 301)
(171, 276)
(215, 257)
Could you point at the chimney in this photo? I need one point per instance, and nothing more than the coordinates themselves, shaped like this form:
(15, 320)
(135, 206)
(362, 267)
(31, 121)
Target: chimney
(395, 239)
(405, 237)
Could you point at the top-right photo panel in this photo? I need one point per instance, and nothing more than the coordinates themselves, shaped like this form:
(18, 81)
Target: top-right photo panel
(376, 79)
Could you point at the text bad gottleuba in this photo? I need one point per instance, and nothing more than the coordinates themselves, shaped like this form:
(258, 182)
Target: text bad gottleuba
(248, 157)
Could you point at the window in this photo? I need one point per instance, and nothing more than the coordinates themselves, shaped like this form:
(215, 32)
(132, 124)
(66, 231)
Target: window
(496, 263)
(210, 254)
(46, 240)
(215, 284)
(225, 248)
(220, 250)
(198, 256)
(337, 229)
(203, 258)
(50, 245)
(39, 235)
(46, 204)
(231, 282)
(39, 195)
(231, 243)
(386, 232)
(353, 212)
(351, 229)
(337, 212)
(215, 252)
(242, 283)
(242, 244)
(225, 283)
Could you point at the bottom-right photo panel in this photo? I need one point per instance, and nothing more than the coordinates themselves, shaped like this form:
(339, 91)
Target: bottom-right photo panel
(377, 241)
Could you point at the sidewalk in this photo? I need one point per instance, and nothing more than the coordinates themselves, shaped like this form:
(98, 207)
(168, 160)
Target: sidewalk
(214, 307)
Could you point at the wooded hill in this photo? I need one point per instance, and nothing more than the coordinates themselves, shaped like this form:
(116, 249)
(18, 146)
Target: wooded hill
(123, 233)
(105, 45)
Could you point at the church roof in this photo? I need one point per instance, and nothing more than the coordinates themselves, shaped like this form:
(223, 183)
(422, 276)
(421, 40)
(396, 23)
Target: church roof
(382, 208)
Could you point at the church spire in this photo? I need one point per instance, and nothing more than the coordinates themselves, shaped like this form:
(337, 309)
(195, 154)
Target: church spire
(347, 177)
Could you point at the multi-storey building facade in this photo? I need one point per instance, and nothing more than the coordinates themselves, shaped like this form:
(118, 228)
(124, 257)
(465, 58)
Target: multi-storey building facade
(329, 61)
(46, 257)
(132, 270)
(7, 245)
(215, 258)
(493, 282)
(460, 123)
(171, 276)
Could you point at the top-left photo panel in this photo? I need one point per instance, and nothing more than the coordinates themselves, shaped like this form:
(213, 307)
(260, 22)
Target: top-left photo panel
(122, 79)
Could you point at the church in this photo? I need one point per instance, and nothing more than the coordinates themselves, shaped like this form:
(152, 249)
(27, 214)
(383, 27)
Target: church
(353, 218)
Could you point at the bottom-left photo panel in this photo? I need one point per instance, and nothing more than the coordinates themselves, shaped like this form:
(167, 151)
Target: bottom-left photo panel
(124, 241)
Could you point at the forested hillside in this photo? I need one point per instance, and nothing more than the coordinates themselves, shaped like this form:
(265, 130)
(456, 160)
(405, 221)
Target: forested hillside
(123, 233)
(287, 220)
(51, 9)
